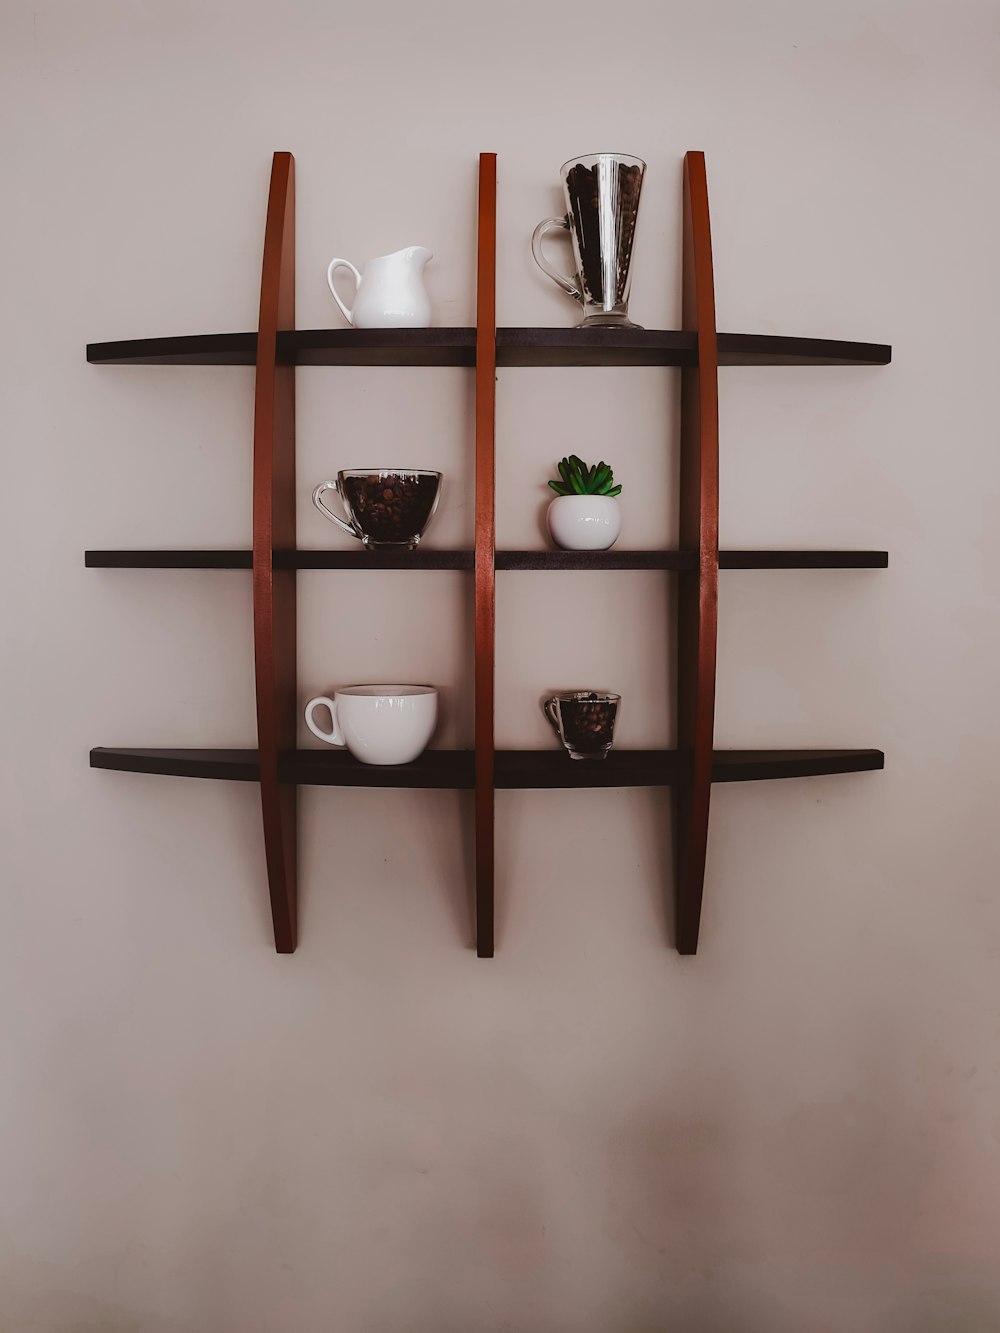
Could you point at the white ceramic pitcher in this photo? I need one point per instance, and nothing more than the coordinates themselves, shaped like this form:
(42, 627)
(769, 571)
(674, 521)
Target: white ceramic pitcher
(389, 291)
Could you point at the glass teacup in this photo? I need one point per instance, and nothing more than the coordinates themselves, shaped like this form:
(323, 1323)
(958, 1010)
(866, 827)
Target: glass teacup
(584, 720)
(387, 508)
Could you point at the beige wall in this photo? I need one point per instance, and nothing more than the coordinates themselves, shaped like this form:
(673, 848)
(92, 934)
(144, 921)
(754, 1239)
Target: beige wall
(796, 1132)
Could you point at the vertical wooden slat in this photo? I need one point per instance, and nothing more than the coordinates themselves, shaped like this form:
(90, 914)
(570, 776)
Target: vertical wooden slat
(274, 527)
(697, 598)
(486, 363)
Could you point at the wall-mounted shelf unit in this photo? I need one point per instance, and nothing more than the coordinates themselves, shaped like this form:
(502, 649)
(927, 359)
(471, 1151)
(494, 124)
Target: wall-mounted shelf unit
(278, 347)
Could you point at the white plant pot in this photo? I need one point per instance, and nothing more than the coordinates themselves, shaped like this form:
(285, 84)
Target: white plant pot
(584, 522)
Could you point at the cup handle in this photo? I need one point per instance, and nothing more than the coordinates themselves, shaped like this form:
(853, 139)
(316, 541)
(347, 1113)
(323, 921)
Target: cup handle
(334, 737)
(549, 709)
(324, 509)
(347, 311)
(570, 285)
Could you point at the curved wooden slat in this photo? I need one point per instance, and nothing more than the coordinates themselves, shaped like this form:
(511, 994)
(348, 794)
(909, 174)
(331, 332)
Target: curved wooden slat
(486, 362)
(274, 526)
(697, 594)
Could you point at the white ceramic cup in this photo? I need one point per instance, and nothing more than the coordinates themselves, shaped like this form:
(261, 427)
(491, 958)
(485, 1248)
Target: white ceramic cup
(379, 724)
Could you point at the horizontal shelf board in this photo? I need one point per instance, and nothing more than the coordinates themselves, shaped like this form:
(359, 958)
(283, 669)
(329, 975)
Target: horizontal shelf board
(379, 347)
(301, 347)
(427, 558)
(515, 347)
(764, 349)
(169, 559)
(449, 769)
(671, 347)
(199, 349)
(519, 769)
(761, 765)
(422, 558)
(347, 559)
(527, 560)
(232, 765)
(595, 347)
(514, 769)
(803, 559)
(452, 769)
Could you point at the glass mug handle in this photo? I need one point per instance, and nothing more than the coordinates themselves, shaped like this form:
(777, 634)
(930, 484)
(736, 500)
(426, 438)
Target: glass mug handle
(334, 737)
(570, 285)
(551, 711)
(325, 509)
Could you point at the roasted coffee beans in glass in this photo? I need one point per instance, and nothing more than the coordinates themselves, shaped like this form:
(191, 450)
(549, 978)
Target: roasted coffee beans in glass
(386, 507)
(584, 720)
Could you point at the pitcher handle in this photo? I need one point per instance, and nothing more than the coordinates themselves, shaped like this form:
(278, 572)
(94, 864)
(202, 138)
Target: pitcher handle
(570, 285)
(347, 311)
(334, 737)
(324, 509)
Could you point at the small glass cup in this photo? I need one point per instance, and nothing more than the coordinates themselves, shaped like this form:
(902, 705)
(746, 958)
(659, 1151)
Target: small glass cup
(584, 720)
(387, 508)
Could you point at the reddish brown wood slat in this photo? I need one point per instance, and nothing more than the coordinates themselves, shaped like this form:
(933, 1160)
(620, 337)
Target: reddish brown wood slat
(697, 594)
(274, 527)
(486, 365)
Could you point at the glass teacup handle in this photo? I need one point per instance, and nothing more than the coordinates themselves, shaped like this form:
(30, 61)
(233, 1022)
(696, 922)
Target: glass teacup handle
(570, 285)
(346, 311)
(334, 737)
(324, 508)
(551, 711)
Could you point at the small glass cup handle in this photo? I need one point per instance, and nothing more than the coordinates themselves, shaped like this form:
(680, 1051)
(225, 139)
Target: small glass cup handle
(550, 707)
(325, 509)
(570, 285)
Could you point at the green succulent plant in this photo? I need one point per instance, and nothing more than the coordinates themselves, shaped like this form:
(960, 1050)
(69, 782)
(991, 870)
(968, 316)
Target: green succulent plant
(576, 478)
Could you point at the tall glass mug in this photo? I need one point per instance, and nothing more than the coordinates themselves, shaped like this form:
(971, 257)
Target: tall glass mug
(602, 204)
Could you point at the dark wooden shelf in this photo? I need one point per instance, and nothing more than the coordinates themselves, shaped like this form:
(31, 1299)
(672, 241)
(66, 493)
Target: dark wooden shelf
(426, 558)
(514, 347)
(346, 559)
(514, 769)
(764, 349)
(762, 765)
(422, 558)
(803, 559)
(380, 347)
(520, 769)
(168, 559)
(451, 769)
(517, 561)
(198, 349)
(669, 347)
